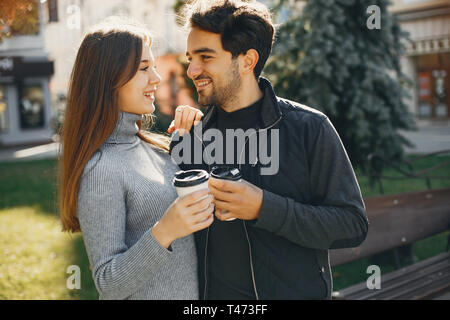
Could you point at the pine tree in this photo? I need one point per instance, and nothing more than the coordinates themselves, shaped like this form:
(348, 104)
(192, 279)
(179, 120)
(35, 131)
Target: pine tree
(328, 59)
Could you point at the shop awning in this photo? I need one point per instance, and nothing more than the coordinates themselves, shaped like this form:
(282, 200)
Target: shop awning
(18, 67)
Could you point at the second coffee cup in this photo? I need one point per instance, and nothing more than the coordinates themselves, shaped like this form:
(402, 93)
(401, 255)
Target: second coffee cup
(226, 173)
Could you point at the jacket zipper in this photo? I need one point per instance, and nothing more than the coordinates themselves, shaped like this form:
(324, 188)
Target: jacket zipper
(245, 227)
(207, 232)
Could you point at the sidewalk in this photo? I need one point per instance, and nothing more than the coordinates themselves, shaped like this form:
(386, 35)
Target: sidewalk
(429, 139)
(45, 151)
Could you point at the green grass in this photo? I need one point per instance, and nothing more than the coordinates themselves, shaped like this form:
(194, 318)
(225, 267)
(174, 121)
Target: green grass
(35, 254)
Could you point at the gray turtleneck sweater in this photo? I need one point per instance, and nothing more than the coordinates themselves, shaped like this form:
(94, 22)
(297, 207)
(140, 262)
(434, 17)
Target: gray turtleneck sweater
(125, 189)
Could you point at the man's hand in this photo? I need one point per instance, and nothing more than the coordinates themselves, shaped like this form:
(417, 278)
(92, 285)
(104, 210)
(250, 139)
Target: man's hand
(185, 118)
(241, 199)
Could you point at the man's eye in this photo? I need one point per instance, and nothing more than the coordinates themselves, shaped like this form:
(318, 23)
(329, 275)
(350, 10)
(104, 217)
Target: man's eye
(206, 57)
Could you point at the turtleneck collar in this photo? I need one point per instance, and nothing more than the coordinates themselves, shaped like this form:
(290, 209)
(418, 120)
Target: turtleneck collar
(126, 128)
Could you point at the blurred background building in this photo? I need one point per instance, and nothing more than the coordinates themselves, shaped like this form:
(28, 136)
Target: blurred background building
(25, 71)
(68, 20)
(427, 60)
(35, 64)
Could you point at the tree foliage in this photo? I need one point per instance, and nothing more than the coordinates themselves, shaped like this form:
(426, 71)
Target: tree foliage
(327, 58)
(18, 17)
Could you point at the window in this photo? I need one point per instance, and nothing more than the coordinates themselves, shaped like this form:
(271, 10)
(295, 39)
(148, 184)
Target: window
(31, 107)
(3, 109)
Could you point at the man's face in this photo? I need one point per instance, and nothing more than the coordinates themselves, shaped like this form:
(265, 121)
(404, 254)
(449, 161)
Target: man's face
(214, 72)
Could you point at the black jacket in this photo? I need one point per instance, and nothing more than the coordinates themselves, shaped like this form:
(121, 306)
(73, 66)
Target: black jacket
(312, 204)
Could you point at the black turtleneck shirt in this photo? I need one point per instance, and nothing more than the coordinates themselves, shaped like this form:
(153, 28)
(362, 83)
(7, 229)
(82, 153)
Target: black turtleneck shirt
(229, 272)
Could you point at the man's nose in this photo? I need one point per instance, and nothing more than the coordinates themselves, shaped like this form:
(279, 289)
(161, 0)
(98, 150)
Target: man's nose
(193, 70)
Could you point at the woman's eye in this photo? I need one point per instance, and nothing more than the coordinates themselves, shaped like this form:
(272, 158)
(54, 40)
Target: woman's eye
(145, 68)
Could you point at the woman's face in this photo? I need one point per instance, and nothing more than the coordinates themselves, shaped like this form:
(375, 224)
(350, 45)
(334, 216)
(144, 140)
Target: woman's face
(138, 95)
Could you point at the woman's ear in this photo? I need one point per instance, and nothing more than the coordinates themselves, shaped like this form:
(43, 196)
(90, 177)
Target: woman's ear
(250, 60)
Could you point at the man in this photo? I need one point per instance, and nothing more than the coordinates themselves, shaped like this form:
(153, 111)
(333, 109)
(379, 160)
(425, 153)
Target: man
(277, 247)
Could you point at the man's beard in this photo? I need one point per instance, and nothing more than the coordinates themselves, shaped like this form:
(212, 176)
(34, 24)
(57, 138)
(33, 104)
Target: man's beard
(224, 95)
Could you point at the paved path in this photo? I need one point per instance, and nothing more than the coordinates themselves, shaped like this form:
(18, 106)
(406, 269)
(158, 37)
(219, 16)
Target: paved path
(45, 151)
(429, 139)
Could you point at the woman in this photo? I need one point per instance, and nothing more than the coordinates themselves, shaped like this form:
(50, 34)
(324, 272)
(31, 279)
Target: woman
(115, 179)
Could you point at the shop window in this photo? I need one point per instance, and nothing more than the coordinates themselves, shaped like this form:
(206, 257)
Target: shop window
(31, 107)
(440, 77)
(3, 109)
(433, 85)
(425, 95)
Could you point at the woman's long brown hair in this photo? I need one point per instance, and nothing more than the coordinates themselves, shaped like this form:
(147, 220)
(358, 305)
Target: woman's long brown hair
(108, 58)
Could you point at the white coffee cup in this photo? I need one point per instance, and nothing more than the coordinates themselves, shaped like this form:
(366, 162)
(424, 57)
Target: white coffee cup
(189, 181)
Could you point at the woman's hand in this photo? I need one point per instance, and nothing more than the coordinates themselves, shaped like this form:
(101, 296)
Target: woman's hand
(185, 117)
(185, 215)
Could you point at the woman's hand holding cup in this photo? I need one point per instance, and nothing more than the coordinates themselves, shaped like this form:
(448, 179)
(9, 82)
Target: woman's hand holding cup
(186, 215)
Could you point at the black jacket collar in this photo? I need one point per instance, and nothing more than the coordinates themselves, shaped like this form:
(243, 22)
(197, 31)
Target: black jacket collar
(270, 111)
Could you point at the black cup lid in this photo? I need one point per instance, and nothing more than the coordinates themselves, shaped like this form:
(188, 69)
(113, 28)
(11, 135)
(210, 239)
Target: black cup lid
(226, 173)
(190, 178)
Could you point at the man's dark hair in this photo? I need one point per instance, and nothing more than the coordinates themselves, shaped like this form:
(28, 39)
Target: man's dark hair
(243, 25)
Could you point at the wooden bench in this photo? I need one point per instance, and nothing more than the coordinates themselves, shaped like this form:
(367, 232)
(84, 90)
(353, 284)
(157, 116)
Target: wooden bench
(395, 221)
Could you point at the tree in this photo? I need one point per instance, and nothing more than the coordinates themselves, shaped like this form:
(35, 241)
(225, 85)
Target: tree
(18, 17)
(328, 58)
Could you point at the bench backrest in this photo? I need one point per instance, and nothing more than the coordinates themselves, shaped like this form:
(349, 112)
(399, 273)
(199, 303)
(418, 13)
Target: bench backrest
(399, 219)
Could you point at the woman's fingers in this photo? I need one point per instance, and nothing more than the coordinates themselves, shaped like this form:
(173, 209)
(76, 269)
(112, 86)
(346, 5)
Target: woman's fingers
(198, 117)
(205, 223)
(178, 116)
(190, 119)
(185, 118)
(204, 214)
(200, 205)
(171, 127)
(193, 197)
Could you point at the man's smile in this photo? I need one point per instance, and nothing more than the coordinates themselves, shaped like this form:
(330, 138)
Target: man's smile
(202, 84)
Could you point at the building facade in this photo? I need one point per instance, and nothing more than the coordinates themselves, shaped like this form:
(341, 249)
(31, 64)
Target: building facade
(427, 58)
(25, 71)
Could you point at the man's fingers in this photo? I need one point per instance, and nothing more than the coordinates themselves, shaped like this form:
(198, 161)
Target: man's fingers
(223, 215)
(222, 195)
(226, 185)
(223, 205)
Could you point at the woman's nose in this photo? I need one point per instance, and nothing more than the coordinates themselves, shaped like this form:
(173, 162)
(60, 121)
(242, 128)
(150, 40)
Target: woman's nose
(155, 78)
